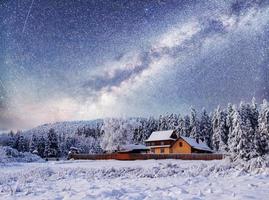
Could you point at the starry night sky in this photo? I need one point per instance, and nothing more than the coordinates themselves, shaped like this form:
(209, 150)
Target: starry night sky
(86, 59)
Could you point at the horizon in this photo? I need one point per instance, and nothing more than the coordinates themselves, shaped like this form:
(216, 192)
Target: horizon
(73, 61)
(209, 112)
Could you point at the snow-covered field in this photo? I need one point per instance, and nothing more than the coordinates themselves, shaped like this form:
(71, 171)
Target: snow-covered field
(150, 179)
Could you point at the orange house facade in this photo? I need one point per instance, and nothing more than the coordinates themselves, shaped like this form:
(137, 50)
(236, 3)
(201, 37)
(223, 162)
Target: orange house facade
(167, 142)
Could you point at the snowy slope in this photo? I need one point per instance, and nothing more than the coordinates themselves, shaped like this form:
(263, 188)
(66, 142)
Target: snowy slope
(150, 179)
(68, 127)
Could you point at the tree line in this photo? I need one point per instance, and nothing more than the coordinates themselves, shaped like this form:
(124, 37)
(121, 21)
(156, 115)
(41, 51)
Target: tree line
(242, 131)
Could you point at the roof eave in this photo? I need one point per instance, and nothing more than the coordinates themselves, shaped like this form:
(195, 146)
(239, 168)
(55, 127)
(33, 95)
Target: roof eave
(209, 150)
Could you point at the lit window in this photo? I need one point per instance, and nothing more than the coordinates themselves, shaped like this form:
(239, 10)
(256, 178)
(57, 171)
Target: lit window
(180, 144)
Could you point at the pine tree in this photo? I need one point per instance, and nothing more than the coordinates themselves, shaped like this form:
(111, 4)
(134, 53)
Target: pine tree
(242, 140)
(150, 126)
(172, 122)
(263, 130)
(246, 149)
(139, 130)
(194, 126)
(12, 139)
(206, 127)
(180, 127)
(163, 123)
(20, 145)
(41, 146)
(186, 130)
(254, 115)
(229, 120)
(33, 143)
(51, 147)
(220, 130)
(234, 139)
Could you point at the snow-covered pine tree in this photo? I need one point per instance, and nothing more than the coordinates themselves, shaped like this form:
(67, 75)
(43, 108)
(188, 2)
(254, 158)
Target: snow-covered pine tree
(41, 146)
(172, 122)
(246, 147)
(163, 123)
(233, 139)
(180, 127)
(21, 143)
(229, 120)
(139, 130)
(241, 140)
(33, 143)
(11, 139)
(52, 147)
(126, 131)
(253, 114)
(206, 127)
(186, 127)
(263, 130)
(150, 126)
(220, 130)
(194, 125)
(62, 145)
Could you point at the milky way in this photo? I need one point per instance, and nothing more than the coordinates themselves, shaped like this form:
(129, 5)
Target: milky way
(78, 60)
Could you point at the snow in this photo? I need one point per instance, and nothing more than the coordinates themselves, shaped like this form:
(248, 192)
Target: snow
(160, 135)
(8, 155)
(192, 142)
(149, 179)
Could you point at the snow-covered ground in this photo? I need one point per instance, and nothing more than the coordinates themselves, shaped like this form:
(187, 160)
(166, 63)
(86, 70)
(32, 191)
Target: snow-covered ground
(150, 179)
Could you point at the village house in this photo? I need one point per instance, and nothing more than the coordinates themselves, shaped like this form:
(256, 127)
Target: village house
(167, 142)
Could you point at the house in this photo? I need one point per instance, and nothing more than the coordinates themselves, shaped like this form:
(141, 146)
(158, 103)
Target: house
(167, 142)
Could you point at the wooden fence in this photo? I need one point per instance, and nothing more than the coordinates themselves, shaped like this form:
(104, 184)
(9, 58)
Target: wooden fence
(139, 156)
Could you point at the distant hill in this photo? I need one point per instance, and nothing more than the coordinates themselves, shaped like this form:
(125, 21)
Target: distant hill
(66, 127)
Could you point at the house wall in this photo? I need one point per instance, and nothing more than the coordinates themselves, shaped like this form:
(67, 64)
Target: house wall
(175, 148)
(158, 143)
(185, 148)
(157, 150)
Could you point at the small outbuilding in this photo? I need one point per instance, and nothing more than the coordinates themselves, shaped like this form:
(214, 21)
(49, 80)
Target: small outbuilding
(133, 148)
(167, 142)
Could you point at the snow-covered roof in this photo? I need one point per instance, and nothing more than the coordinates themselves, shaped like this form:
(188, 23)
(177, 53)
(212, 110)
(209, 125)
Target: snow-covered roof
(193, 143)
(130, 147)
(160, 135)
